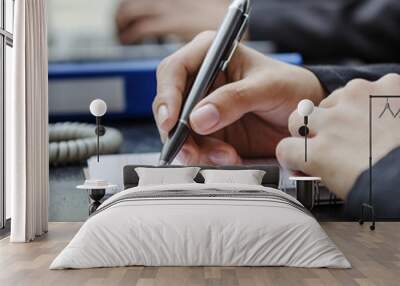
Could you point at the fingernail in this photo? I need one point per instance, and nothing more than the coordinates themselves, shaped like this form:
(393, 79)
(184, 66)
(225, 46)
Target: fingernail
(220, 157)
(205, 117)
(183, 157)
(162, 115)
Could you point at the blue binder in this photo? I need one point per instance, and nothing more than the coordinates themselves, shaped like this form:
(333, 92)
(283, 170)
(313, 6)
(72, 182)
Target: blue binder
(128, 87)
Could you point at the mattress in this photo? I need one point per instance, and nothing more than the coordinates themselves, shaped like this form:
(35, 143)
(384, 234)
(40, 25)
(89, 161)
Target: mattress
(201, 225)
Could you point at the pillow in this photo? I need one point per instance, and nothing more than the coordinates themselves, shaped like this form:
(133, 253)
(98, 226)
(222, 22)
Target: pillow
(166, 176)
(247, 177)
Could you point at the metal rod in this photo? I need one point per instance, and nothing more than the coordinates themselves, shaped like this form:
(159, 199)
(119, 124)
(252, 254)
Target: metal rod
(98, 137)
(305, 140)
(370, 150)
(384, 96)
(305, 137)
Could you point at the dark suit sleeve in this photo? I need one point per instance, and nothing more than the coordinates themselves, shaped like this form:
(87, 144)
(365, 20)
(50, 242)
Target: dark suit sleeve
(363, 29)
(334, 77)
(386, 172)
(385, 186)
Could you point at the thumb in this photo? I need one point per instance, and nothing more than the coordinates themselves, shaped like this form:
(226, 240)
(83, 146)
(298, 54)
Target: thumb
(222, 107)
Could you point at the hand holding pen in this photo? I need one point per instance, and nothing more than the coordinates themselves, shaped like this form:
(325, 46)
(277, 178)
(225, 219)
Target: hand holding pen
(245, 114)
(215, 60)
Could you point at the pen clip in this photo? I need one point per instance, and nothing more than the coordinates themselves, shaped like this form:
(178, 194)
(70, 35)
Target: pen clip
(226, 62)
(236, 42)
(243, 27)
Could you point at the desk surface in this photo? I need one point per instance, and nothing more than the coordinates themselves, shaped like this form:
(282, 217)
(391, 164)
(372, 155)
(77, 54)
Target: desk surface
(374, 255)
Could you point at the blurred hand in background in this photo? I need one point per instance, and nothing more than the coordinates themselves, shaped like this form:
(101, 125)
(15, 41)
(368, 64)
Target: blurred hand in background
(319, 30)
(137, 20)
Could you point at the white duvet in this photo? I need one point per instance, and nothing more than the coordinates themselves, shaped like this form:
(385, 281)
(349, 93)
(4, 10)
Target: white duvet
(202, 231)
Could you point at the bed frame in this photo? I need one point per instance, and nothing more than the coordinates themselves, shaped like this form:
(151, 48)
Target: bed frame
(270, 179)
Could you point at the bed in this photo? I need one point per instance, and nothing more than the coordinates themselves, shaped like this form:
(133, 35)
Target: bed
(201, 224)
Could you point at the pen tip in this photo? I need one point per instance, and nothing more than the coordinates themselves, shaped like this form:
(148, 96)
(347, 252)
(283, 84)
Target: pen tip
(162, 163)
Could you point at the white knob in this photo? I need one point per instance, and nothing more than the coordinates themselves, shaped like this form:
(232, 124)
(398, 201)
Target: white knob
(305, 107)
(98, 107)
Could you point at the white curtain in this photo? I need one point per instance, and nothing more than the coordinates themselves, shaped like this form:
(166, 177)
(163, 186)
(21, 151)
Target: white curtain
(26, 124)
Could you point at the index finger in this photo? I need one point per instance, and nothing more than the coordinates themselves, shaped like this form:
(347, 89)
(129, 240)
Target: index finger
(172, 79)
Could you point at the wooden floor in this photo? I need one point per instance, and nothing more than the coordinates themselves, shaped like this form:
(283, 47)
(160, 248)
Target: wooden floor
(375, 257)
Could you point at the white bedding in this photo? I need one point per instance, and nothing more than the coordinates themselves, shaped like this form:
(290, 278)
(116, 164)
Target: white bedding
(189, 231)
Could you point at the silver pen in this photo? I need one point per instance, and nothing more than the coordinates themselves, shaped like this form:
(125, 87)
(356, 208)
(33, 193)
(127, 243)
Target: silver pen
(217, 58)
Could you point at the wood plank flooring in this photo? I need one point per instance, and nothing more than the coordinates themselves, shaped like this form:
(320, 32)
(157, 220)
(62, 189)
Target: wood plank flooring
(375, 257)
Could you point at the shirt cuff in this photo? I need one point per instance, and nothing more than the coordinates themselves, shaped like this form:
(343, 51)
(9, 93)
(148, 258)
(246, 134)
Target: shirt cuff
(329, 77)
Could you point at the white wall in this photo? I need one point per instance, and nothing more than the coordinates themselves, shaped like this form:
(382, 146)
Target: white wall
(81, 22)
(9, 13)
